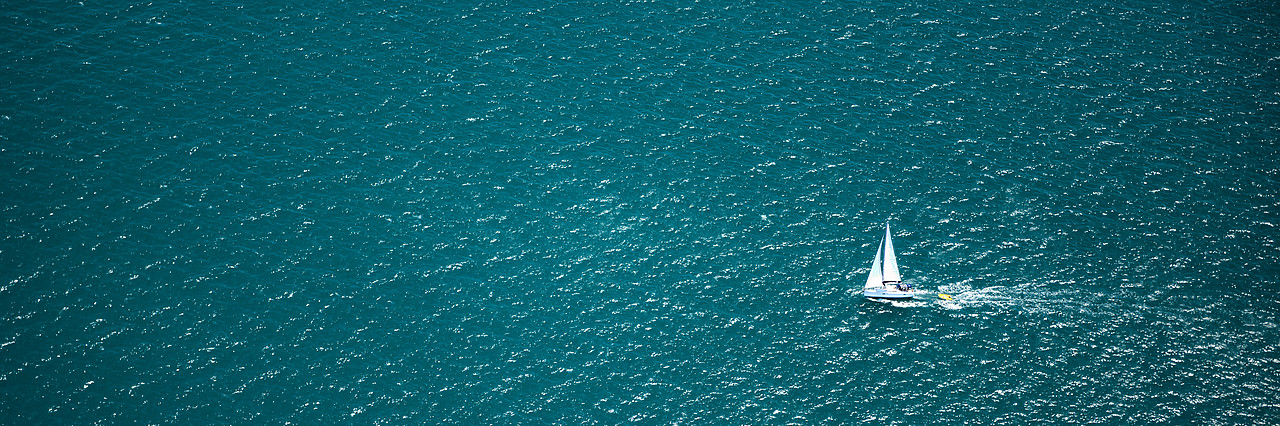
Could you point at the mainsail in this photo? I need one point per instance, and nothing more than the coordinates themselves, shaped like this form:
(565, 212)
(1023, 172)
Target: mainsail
(890, 272)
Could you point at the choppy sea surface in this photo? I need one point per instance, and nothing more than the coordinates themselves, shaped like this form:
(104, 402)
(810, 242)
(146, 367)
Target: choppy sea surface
(367, 212)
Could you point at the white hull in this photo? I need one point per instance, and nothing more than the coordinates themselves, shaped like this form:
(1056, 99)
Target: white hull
(887, 293)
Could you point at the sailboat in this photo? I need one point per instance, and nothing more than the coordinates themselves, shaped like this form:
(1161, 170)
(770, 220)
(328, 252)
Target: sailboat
(884, 281)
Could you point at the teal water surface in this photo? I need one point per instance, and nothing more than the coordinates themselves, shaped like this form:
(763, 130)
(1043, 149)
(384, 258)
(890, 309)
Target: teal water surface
(368, 212)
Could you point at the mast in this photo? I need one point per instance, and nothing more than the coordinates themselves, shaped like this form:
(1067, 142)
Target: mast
(890, 260)
(874, 278)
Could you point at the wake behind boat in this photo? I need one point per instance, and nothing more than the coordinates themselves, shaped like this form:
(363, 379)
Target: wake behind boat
(884, 281)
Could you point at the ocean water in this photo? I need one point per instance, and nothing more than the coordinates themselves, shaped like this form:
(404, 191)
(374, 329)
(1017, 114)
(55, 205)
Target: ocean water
(366, 212)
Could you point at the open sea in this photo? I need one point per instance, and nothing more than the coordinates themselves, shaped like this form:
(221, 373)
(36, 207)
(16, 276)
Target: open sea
(656, 212)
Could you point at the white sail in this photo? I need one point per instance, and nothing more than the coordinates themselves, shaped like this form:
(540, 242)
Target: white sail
(874, 278)
(890, 272)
